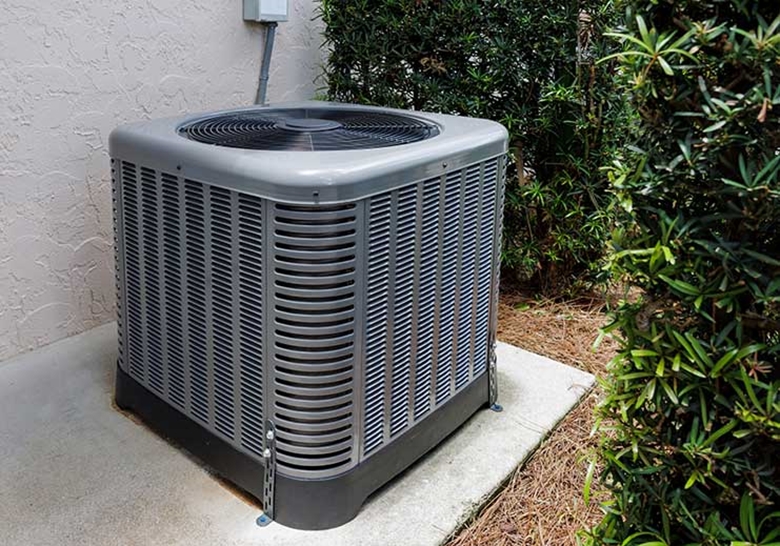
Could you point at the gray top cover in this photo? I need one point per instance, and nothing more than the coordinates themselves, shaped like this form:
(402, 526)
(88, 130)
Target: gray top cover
(309, 176)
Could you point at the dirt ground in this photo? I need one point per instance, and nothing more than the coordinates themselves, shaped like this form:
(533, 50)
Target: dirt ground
(542, 504)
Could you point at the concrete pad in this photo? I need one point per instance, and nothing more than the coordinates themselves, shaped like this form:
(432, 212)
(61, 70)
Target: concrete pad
(73, 470)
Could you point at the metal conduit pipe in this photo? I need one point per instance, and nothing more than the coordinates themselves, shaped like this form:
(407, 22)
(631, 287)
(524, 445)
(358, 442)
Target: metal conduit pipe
(265, 65)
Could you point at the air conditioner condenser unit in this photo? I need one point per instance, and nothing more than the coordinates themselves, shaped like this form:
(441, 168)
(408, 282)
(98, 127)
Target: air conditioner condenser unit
(307, 293)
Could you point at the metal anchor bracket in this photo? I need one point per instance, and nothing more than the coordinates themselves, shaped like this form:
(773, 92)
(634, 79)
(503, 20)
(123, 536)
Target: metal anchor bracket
(492, 376)
(269, 477)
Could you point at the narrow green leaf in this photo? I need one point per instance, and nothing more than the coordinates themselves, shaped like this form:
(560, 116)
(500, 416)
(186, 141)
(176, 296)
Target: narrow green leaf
(702, 355)
(589, 481)
(715, 126)
(692, 480)
(665, 66)
(669, 391)
(720, 432)
(643, 353)
(723, 361)
(747, 517)
(681, 286)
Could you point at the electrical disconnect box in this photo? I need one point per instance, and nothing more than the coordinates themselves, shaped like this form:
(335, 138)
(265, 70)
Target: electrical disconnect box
(265, 11)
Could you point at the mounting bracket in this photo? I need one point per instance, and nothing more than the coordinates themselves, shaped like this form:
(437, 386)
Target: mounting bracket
(269, 478)
(492, 376)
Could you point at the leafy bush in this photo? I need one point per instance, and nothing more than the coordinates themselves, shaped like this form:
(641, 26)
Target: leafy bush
(692, 412)
(527, 64)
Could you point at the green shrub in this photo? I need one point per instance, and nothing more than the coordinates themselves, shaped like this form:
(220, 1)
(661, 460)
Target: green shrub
(691, 418)
(516, 62)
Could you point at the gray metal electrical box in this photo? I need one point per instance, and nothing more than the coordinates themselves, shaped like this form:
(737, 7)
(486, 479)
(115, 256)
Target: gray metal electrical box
(265, 11)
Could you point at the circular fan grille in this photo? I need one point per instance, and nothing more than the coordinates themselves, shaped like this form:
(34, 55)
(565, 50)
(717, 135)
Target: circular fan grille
(316, 129)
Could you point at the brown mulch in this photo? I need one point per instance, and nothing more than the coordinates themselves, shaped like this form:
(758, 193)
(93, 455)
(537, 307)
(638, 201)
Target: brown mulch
(563, 331)
(542, 504)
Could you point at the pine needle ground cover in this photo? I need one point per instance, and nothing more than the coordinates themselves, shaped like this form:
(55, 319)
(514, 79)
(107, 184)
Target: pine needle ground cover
(543, 502)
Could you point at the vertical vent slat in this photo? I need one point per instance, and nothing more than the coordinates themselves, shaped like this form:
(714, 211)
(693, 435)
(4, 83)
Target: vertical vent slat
(378, 257)
(468, 267)
(195, 249)
(171, 271)
(250, 264)
(151, 280)
(449, 272)
(431, 211)
(223, 320)
(119, 268)
(405, 241)
(133, 271)
(485, 267)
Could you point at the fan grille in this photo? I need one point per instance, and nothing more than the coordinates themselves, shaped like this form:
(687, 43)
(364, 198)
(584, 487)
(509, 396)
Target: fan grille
(320, 129)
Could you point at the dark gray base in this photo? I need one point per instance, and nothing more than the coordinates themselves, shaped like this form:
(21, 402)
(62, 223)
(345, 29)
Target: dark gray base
(303, 504)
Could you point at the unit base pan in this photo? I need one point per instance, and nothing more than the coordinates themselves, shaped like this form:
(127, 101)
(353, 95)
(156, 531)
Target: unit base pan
(303, 504)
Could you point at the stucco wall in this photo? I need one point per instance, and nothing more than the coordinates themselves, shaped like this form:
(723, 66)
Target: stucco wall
(69, 73)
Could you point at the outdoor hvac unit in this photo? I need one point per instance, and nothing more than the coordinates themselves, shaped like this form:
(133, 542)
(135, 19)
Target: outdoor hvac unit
(307, 293)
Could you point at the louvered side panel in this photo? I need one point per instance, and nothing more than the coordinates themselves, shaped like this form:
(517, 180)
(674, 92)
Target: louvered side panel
(313, 334)
(376, 322)
(173, 264)
(414, 243)
(195, 229)
(119, 268)
(445, 365)
(133, 246)
(429, 262)
(485, 266)
(251, 320)
(425, 358)
(405, 241)
(151, 275)
(392, 258)
(192, 315)
(497, 170)
(223, 321)
(466, 305)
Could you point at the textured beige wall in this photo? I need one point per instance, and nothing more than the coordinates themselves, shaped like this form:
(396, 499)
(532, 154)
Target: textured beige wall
(69, 73)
